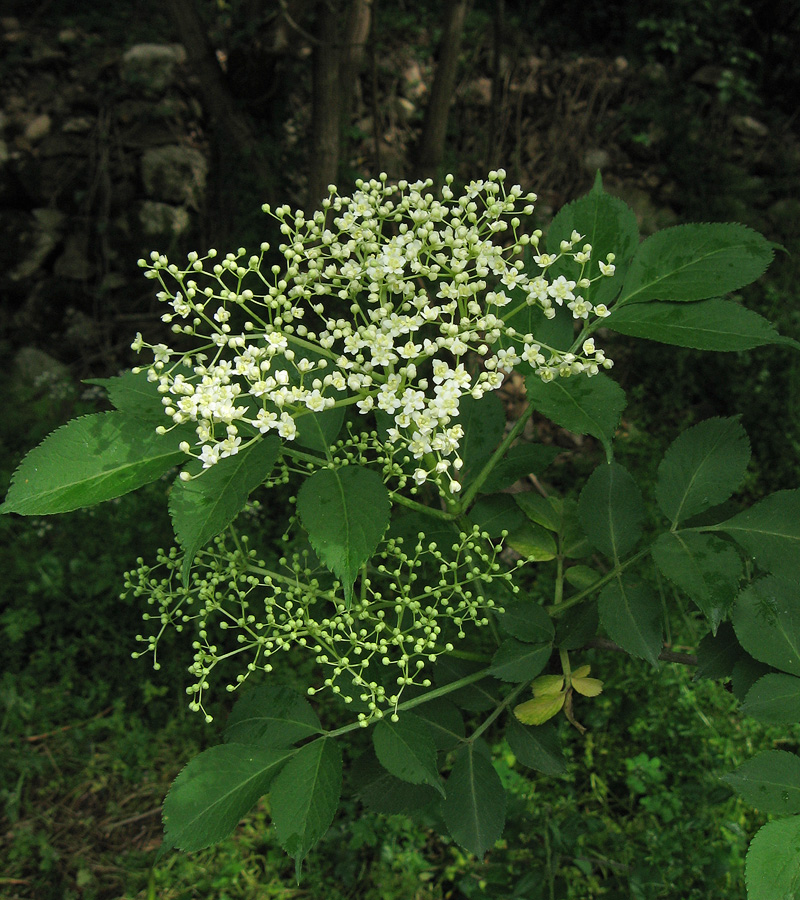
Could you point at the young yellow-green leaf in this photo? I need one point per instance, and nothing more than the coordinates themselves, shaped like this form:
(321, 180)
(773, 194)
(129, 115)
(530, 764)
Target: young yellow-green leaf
(536, 747)
(581, 404)
(540, 709)
(515, 661)
(702, 468)
(705, 325)
(772, 869)
(766, 617)
(770, 782)
(539, 510)
(532, 541)
(611, 510)
(631, 615)
(770, 532)
(406, 749)
(774, 699)
(305, 796)
(89, 460)
(474, 809)
(345, 512)
(547, 685)
(695, 262)
(706, 568)
(589, 687)
(271, 716)
(203, 507)
(527, 621)
(218, 787)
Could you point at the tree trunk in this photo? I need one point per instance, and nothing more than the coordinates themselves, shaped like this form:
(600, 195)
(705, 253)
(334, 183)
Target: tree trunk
(434, 130)
(354, 42)
(326, 107)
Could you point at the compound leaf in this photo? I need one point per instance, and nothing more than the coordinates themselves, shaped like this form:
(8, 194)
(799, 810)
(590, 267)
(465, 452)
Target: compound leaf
(407, 750)
(515, 661)
(772, 869)
(537, 747)
(611, 510)
(632, 617)
(774, 699)
(271, 716)
(766, 618)
(770, 782)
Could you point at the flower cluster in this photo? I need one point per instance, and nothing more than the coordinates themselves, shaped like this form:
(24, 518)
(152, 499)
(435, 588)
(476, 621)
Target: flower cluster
(379, 646)
(378, 302)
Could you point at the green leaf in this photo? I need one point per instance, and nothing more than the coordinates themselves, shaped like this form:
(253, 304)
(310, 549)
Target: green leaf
(770, 532)
(496, 513)
(218, 787)
(581, 577)
(609, 225)
(527, 621)
(317, 431)
(611, 510)
(134, 395)
(515, 661)
(304, 797)
(705, 325)
(271, 716)
(766, 617)
(345, 512)
(539, 510)
(537, 746)
(577, 625)
(89, 460)
(706, 568)
(383, 793)
(695, 262)
(202, 508)
(717, 654)
(746, 672)
(444, 721)
(582, 405)
(772, 869)
(631, 615)
(520, 461)
(770, 782)
(774, 699)
(476, 697)
(474, 809)
(702, 468)
(406, 749)
(483, 422)
(573, 541)
(532, 541)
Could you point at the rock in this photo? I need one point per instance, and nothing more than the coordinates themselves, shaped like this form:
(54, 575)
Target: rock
(45, 235)
(74, 262)
(175, 174)
(749, 126)
(151, 67)
(36, 371)
(160, 219)
(37, 128)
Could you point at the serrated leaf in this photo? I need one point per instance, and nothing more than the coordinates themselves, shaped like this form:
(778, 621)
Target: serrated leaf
(581, 577)
(271, 716)
(483, 422)
(609, 225)
(774, 699)
(547, 685)
(89, 460)
(702, 468)
(704, 567)
(746, 672)
(205, 506)
(537, 747)
(577, 626)
(444, 721)
(133, 394)
(527, 621)
(406, 749)
(695, 262)
(540, 709)
(580, 404)
(305, 796)
(770, 532)
(386, 794)
(317, 431)
(631, 615)
(475, 806)
(718, 654)
(772, 868)
(611, 510)
(588, 687)
(532, 541)
(520, 461)
(766, 618)
(770, 782)
(539, 510)
(705, 325)
(477, 697)
(345, 512)
(515, 661)
(212, 793)
(496, 513)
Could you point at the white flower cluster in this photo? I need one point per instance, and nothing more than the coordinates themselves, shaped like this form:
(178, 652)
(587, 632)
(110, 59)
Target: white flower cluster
(409, 607)
(380, 298)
